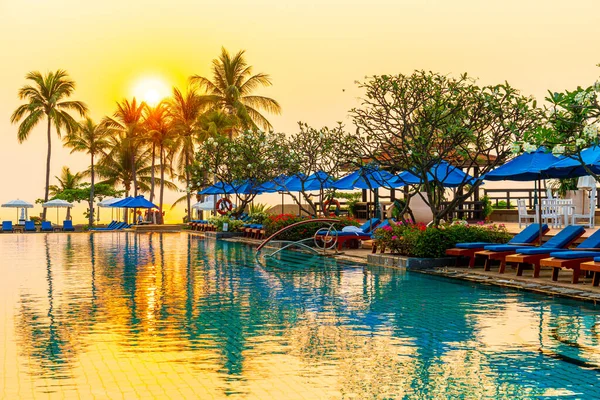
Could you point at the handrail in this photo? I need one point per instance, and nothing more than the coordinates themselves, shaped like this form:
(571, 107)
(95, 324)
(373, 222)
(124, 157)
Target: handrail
(267, 240)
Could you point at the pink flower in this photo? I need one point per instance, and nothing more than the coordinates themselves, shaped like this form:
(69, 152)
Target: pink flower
(394, 237)
(480, 222)
(387, 228)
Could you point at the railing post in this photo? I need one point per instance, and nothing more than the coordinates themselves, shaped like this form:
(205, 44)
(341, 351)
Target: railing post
(507, 200)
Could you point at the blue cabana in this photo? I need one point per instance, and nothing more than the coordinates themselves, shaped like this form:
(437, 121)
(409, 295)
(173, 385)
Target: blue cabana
(448, 175)
(367, 177)
(525, 167)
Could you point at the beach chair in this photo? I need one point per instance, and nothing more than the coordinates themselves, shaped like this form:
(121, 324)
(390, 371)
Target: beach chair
(68, 226)
(7, 226)
(524, 216)
(573, 259)
(109, 227)
(498, 252)
(594, 268)
(533, 256)
(467, 250)
(29, 226)
(46, 226)
(347, 235)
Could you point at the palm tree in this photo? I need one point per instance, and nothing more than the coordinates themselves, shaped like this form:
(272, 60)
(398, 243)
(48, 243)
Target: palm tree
(128, 123)
(46, 96)
(160, 135)
(67, 180)
(185, 110)
(92, 139)
(231, 87)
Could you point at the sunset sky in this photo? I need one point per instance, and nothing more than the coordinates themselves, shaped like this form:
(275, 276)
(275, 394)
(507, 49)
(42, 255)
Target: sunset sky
(314, 50)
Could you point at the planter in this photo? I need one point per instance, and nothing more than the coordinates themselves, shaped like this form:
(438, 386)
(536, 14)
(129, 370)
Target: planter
(222, 235)
(389, 260)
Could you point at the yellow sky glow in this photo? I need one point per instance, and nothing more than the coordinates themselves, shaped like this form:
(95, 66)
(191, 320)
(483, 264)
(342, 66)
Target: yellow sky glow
(314, 50)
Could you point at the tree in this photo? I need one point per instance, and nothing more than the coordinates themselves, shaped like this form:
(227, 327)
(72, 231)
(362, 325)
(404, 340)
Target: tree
(47, 96)
(416, 121)
(316, 150)
(231, 87)
(67, 181)
(85, 192)
(185, 110)
(159, 133)
(92, 139)
(128, 123)
(245, 162)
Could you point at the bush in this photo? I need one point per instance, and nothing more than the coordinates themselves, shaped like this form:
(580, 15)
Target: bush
(273, 223)
(417, 240)
(234, 225)
(502, 205)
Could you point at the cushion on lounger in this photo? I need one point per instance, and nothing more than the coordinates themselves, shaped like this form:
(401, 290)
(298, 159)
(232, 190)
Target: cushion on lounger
(597, 259)
(473, 245)
(569, 255)
(529, 234)
(565, 236)
(369, 225)
(503, 247)
(592, 242)
(539, 250)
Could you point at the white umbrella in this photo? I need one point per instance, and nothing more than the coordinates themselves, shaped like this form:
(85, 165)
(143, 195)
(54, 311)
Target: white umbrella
(19, 204)
(57, 203)
(108, 203)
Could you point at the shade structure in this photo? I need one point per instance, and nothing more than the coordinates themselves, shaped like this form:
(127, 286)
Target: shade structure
(207, 205)
(108, 202)
(367, 177)
(447, 175)
(17, 204)
(573, 167)
(317, 181)
(274, 185)
(244, 187)
(57, 203)
(134, 202)
(525, 167)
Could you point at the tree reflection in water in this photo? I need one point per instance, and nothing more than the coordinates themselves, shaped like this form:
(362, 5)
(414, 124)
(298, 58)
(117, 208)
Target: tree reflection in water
(362, 331)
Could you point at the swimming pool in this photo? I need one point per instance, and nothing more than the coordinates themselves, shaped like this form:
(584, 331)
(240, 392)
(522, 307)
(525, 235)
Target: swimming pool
(124, 315)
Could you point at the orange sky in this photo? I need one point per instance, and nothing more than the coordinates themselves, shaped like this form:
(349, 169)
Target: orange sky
(314, 50)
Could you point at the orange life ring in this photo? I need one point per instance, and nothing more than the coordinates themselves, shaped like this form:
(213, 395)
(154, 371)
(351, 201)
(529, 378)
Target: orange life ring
(327, 204)
(224, 205)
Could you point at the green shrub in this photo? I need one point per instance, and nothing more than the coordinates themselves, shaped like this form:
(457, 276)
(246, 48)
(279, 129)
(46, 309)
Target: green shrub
(503, 206)
(417, 240)
(234, 225)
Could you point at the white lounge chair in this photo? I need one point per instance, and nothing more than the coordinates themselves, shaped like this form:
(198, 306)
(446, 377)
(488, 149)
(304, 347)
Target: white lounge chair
(524, 216)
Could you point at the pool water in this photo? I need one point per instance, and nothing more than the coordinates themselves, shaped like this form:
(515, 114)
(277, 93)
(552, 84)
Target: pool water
(124, 315)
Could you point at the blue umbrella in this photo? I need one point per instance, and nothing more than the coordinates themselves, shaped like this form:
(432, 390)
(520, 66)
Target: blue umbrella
(571, 166)
(134, 202)
(367, 177)
(273, 186)
(317, 181)
(526, 167)
(448, 175)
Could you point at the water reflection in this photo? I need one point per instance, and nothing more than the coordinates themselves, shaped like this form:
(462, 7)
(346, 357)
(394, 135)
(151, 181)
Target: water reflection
(299, 321)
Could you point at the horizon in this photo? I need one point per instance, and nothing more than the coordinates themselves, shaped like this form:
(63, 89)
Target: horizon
(313, 52)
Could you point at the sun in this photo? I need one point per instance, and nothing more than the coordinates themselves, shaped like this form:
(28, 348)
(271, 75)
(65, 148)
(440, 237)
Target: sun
(151, 90)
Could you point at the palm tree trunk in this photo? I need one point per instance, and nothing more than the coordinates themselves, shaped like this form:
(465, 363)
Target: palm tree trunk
(133, 171)
(152, 172)
(91, 216)
(47, 169)
(162, 185)
(187, 183)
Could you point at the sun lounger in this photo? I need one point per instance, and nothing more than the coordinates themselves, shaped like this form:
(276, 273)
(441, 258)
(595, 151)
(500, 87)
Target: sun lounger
(498, 252)
(364, 232)
(110, 227)
(7, 226)
(533, 256)
(68, 226)
(46, 226)
(572, 259)
(29, 226)
(594, 267)
(528, 235)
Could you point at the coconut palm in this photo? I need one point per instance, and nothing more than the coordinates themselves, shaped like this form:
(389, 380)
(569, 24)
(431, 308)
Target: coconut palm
(185, 110)
(92, 139)
(67, 181)
(231, 90)
(159, 134)
(47, 96)
(127, 122)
